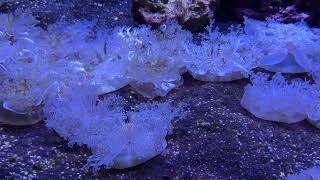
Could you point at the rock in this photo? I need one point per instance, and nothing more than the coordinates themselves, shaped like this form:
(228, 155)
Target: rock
(258, 9)
(312, 7)
(193, 15)
(290, 15)
(286, 11)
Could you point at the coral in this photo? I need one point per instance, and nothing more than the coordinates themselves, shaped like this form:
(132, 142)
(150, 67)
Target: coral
(117, 138)
(277, 99)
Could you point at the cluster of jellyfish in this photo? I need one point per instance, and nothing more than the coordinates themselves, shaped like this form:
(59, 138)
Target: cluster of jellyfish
(60, 72)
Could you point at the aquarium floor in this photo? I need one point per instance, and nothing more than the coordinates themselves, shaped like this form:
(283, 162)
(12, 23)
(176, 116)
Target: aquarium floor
(217, 140)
